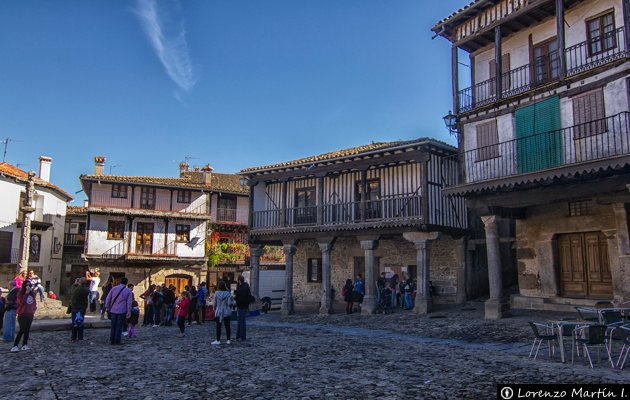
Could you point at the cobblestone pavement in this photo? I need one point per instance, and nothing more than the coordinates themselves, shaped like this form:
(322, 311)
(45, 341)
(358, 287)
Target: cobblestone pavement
(451, 354)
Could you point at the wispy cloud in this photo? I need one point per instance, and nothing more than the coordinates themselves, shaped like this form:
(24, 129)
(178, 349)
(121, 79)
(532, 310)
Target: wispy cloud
(168, 38)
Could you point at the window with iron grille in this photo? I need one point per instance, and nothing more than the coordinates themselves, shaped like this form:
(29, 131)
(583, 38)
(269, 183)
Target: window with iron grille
(601, 33)
(115, 230)
(581, 207)
(184, 196)
(487, 141)
(182, 233)
(589, 116)
(314, 270)
(119, 191)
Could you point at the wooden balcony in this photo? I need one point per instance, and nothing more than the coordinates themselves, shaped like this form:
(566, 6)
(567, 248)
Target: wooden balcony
(74, 239)
(167, 253)
(405, 209)
(579, 58)
(573, 148)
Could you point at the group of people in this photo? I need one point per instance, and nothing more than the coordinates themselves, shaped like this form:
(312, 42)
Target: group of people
(21, 304)
(391, 292)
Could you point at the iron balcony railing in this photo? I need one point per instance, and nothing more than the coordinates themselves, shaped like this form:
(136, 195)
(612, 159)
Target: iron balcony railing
(74, 239)
(579, 58)
(226, 214)
(596, 140)
(386, 208)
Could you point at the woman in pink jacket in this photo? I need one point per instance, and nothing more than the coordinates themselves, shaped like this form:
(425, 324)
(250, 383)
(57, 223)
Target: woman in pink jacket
(27, 304)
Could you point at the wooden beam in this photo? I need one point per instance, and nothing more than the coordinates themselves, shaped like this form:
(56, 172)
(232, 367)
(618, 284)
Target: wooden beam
(560, 37)
(626, 21)
(455, 78)
(498, 62)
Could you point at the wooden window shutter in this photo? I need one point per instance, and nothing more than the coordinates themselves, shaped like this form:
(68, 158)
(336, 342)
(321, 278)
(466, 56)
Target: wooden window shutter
(487, 141)
(589, 114)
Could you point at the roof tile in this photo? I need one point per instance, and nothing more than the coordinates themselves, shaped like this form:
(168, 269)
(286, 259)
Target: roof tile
(20, 174)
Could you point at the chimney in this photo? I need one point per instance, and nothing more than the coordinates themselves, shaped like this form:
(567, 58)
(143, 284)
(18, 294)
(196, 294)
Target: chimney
(183, 168)
(44, 168)
(86, 203)
(207, 174)
(99, 165)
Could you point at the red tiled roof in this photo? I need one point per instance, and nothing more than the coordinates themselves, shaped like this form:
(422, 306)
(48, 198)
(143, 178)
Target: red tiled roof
(70, 210)
(220, 182)
(22, 176)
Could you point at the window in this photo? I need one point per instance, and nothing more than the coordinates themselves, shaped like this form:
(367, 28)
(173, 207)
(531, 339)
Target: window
(119, 191)
(115, 230)
(372, 198)
(226, 208)
(601, 33)
(182, 233)
(546, 61)
(304, 211)
(589, 116)
(183, 196)
(147, 198)
(487, 141)
(581, 207)
(314, 270)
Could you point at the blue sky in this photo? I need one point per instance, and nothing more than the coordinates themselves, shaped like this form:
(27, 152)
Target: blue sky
(233, 83)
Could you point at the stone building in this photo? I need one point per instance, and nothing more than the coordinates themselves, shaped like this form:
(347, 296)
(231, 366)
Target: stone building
(544, 144)
(368, 209)
(73, 264)
(46, 223)
(155, 229)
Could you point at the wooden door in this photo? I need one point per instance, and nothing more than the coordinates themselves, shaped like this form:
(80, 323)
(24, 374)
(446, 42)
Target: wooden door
(179, 281)
(583, 265)
(144, 238)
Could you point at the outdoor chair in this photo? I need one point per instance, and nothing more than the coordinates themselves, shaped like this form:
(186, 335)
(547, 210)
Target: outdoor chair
(587, 314)
(568, 332)
(604, 304)
(590, 336)
(549, 337)
(625, 348)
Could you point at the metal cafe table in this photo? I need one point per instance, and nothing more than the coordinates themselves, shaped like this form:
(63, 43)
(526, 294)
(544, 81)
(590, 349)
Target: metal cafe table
(559, 325)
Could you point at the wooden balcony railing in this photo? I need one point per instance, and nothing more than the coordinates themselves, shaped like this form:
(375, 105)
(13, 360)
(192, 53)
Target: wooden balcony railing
(386, 208)
(74, 239)
(596, 140)
(579, 58)
(226, 214)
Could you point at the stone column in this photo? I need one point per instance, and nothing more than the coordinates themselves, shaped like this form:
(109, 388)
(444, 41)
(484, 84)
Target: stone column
(422, 241)
(27, 209)
(494, 306)
(326, 302)
(254, 278)
(369, 300)
(287, 299)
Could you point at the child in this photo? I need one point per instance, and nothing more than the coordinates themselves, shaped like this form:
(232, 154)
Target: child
(133, 319)
(183, 303)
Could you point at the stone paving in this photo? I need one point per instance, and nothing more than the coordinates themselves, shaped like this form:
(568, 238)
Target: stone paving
(453, 353)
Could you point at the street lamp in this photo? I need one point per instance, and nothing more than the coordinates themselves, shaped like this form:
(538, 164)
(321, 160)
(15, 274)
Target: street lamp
(244, 181)
(450, 121)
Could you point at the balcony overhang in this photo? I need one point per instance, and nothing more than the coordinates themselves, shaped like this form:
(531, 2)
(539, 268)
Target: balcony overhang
(135, 212)
(151, 259)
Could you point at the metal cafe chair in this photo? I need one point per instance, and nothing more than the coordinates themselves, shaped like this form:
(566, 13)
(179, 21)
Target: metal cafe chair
(625, 348)
(549, 337)
(587, 314)
(567, 331)
(589, 336)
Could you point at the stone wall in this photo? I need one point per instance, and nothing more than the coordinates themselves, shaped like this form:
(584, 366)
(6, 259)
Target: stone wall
(536, 246)
(446, 261)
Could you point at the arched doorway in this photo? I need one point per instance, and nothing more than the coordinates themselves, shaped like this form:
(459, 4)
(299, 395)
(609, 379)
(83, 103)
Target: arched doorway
(583, 265)
(179, 281)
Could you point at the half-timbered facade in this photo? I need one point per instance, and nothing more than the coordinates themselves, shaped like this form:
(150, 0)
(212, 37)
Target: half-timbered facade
(544, 142)
(369, 209)
(155, 229)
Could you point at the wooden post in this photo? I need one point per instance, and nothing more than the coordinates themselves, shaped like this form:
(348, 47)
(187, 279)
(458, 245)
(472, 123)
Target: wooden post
(166, 235)
(283, 209)
(250, 217)
(560, 36)
(455, 78)
(471, 60)
(171, 201)
(626, 23)
(320, 200)
(498, 64)
(363, 194)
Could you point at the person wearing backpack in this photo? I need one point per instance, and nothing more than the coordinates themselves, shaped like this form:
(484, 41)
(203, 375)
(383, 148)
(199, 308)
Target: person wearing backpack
(223, 311)
(157, 301)
(118, 304)
(10, 309)
(243, 297)
(78, 306)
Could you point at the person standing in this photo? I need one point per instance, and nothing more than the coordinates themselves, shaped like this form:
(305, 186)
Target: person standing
(157, 301)
(183, 303)
(222, 311)
(3, 302)
(95, 281)
(132, 321)
(409, 286)
(380, 285)
(27, 304)
(118, 303)
(192, 306)
(393, 284)
(202, 295)
(106, 289)
(243, 297)
(359, 290)
(148, 308)
(78, 306)
(168, 295)
(347, 293)
(10, 309)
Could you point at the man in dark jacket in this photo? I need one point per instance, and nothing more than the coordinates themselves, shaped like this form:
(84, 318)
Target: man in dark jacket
(10, 309)
(168, 293)
(243, 297)
(78, 305)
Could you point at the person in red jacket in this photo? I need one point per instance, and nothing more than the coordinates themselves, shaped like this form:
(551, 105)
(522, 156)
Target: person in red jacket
(27, 304)
(183, 303)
